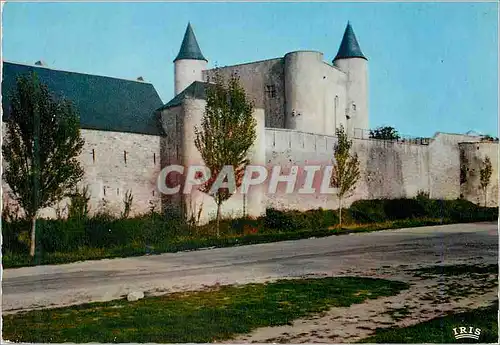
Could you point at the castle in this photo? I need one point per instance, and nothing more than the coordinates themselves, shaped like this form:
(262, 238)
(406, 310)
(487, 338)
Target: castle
(299, 102)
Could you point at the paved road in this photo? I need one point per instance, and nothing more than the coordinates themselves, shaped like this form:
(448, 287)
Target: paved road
(32, 287)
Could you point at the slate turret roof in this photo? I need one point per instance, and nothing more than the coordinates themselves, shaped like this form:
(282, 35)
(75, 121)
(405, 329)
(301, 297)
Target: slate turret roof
(196, 90)
(190, 50)
(349, 47)
(103, 103)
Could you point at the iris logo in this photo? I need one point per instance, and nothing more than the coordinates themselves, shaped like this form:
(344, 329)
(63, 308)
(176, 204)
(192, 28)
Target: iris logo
(467, 333)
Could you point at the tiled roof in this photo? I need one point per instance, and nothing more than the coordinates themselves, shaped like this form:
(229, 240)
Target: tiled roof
(195, 90)
(103, 103)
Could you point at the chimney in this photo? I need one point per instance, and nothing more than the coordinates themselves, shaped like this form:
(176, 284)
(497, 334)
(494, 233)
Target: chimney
(40, 63)
(140, 78)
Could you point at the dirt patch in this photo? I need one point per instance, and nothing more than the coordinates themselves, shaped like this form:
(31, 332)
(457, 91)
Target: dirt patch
(430, 295)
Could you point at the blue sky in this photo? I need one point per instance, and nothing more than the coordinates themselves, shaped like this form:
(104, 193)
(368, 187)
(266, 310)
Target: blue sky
(432, 66)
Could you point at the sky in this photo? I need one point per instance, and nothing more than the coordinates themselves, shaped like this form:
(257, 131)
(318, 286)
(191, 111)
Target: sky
(432, 66)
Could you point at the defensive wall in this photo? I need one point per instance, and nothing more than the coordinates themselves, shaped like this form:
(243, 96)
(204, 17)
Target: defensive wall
(389, 169)
(116, 162)
(472, 156)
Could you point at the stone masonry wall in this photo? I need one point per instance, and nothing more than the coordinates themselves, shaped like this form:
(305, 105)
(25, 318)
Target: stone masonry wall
(198, 205)
(388, 169)
(444, 165)
(472, 157)
(259, 79)
(115, 163)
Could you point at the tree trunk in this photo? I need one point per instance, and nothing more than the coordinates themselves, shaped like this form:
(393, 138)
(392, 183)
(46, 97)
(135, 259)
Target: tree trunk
(340, 212)
(244, 205)
(33, 234)
(218, 219)
(485, 197)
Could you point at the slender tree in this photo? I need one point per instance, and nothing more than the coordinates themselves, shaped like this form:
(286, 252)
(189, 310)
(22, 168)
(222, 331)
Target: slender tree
(485, 177)
(40, 148)
(346, 171)
(384, 133)
(227, 132)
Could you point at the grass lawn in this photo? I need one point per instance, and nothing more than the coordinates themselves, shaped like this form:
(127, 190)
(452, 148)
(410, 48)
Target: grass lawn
(15, 260)
(440, 330)
(485, 278)
(205, 316)
(456, 270)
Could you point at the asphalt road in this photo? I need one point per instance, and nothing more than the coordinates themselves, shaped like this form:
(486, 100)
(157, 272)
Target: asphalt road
(59, 285)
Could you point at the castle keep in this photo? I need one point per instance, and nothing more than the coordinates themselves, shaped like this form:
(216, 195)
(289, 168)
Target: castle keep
(300, 100)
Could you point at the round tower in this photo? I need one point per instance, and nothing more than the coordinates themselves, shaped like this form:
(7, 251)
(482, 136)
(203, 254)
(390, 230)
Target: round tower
(189, 63)
(303, 106)
(351, 61)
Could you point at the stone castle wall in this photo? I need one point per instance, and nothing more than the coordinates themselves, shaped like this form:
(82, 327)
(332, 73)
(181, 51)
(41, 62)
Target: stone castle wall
(115, 163)
(118, 162)
(197, 205)
(299, 91)
(472, 156)
(264, 82)
(388, 169)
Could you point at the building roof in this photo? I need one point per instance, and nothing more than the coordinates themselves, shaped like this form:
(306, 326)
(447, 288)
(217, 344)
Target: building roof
(349, 47)
(195, 90)
(190, 50)
(103, 103)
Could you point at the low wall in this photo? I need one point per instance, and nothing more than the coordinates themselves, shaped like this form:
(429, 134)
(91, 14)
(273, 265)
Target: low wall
(388, 169)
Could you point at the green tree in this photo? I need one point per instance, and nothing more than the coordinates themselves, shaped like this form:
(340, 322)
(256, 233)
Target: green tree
(40, 148)
(227, 132)
(485, 177)
(384, 133)
(488, 137)
(346, 171)
(79, 203)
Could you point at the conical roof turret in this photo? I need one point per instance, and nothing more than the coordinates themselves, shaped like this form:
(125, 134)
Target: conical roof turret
(190, 50)
(349, 47)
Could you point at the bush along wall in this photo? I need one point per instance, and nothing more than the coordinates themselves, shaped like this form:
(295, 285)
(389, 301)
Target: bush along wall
(136, 235)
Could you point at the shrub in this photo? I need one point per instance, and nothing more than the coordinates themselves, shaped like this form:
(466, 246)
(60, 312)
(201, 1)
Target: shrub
(319, 218)
(56, 235)
(98, 230)
(281, 220)
(368, 211)
(403, 209)
(465, 211)
(109, 234)
(297, 220)
(79, 204)
(12, 233)
(128, 199)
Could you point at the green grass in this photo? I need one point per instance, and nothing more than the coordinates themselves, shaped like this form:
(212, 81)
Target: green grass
(398, 313)
(440, 330)
(183, 243)
(104, 236)
(456, 270)
(205, 316)
(456, 280)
